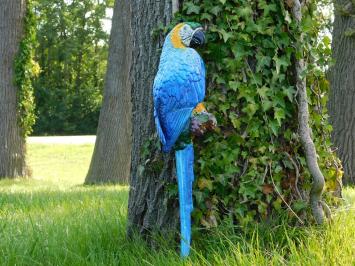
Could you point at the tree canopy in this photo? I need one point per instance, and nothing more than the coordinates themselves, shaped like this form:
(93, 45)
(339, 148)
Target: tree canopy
(72, 52)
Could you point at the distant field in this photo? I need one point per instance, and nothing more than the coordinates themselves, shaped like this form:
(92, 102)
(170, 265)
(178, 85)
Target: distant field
(54, 220)
(78, 140)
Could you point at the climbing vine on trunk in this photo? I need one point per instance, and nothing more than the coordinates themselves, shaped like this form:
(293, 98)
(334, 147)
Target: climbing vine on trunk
(26, 69)
(256, 167)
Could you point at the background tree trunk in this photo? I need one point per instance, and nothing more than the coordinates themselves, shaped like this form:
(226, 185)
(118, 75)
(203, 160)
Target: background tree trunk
(151, 172)
(12, 144)
(342, 94)
(111, 160)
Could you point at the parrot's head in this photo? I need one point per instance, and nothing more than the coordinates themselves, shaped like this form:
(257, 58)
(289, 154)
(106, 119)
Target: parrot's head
(187, 34)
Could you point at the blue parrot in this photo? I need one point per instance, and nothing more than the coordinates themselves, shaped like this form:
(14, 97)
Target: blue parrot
(178, 91)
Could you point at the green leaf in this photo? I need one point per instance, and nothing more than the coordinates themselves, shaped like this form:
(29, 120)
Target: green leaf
(250, 109)
(192, 8)
(280, 61)
(279, 115)
(290, 93)
(234, 85)
(245, 11)
(216, 10)
(235, 120)
(274, 126)
(266, 105)
(206, 16)
(225, 35)
(263, 92)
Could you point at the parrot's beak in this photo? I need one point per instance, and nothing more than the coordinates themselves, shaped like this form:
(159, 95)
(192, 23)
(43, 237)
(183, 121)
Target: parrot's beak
(198, 38)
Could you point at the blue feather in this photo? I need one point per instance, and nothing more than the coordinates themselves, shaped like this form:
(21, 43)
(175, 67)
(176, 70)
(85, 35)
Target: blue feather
(185, 174)
(159, 129)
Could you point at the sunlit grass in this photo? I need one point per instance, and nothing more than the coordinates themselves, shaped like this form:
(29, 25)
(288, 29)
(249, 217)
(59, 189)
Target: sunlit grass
(53, 219)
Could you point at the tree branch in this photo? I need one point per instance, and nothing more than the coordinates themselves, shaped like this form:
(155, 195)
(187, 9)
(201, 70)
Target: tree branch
(305, 131)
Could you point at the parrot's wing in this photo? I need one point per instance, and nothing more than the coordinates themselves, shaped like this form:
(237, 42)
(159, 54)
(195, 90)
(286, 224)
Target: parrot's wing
(173, 108)
(158, 126)
(176, 123)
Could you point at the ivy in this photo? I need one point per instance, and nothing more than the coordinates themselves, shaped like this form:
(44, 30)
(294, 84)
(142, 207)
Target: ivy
(26, 69)
(255, 164)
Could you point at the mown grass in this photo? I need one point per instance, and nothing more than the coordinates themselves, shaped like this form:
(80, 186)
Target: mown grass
(54, 220)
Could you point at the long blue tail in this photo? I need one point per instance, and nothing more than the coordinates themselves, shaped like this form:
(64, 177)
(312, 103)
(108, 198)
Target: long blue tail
(185, 175)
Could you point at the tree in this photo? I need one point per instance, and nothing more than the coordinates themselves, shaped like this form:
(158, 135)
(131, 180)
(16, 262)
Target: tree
(342, 79)
(12, 141)
(152, 172)
(112, 154)
(72, 52)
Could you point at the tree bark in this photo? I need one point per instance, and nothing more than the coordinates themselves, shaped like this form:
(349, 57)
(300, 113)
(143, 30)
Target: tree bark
(149, 205)
(12, 142)
(342, 93)
(111, 160)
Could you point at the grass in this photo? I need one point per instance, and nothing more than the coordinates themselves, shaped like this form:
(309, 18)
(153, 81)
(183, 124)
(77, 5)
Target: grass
(54, 220)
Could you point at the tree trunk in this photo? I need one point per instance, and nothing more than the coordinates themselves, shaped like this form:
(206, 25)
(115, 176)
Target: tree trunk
(12, 142)
(111, 160)
(342, 94)
(151, 173)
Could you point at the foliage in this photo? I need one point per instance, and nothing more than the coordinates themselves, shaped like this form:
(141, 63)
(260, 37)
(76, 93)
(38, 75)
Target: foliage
(26, 69)
(72, 52)
(249, 170)
(52, 220)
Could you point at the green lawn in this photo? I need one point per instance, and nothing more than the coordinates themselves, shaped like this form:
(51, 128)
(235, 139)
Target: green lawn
(54, 220)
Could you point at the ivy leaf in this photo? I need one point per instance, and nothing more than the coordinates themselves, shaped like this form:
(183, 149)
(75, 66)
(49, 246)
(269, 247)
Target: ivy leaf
(233, 85)
(280, 61)
(279, 114)
(205, 183)
(245, 12)
(290, 93)
(263, 61)
(192, 9)
(262, 92)
(215, 10)
(224, 107)
(250, 109)
(274, 126)
(307, 23)
(225, 35)
(223, 1)
(206, 16)
(235, 120)
(266, 105)
(268, 8)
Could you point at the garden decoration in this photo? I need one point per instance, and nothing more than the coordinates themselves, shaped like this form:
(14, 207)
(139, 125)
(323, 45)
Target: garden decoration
(179, 89)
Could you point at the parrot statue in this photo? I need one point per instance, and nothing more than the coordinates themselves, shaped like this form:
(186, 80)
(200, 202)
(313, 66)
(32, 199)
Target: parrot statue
(178, 92)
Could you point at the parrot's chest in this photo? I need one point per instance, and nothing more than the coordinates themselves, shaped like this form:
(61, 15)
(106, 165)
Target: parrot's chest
(182, 66)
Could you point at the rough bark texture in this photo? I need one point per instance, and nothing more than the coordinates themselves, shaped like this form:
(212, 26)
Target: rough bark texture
(149, 207)
(305, 132)
(342, 79)
(111, 160)
(12, 144)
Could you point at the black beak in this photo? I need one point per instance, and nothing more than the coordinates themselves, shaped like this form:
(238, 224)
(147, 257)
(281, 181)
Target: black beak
(198, 39)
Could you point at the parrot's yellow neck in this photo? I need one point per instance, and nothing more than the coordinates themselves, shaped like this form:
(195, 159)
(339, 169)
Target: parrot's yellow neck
(175, 37)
